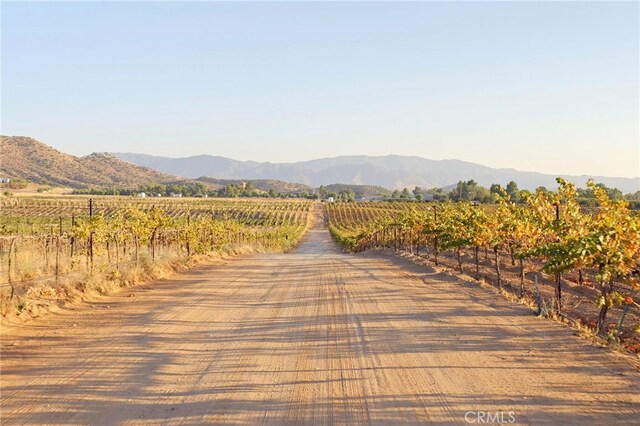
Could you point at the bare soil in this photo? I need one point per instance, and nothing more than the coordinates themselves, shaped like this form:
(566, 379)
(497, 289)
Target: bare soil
(309, 337)
(578, 300)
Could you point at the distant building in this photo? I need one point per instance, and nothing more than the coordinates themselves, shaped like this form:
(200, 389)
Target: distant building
(5, 180)
(178, 195)
(142, 194)
(329, 199)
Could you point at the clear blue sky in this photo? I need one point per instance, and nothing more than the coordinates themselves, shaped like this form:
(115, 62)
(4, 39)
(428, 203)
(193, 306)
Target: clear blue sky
(551, 87)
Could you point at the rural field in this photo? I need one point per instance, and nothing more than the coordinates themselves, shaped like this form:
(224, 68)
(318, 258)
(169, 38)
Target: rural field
(57, 246)
(294, 330)
(320, 213)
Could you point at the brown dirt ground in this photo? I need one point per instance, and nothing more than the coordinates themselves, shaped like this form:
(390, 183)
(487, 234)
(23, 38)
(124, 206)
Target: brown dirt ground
(579, 301)
(314, 336)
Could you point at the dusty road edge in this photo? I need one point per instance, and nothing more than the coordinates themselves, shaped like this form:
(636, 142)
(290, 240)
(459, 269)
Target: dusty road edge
(418, 265)
(44, 307)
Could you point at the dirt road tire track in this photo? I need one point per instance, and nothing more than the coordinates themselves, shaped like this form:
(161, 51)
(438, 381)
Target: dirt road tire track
(310, 337)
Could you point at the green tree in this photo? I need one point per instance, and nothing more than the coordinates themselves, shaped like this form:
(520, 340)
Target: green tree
(418, 193)
(513, 191)
(496, 190)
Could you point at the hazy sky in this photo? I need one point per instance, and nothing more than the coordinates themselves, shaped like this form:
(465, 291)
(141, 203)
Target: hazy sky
(551, 87)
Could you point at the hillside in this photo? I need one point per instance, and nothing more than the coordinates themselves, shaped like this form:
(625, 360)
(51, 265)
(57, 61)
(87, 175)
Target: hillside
(360, 191)
(27, 158)
(391, 171)
(261, 184)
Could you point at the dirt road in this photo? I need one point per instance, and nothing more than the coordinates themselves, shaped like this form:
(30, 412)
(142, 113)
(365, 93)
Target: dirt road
(310, 337)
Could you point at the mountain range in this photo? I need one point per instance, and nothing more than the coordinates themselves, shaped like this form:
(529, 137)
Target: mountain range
(27, 158)
(390, 171)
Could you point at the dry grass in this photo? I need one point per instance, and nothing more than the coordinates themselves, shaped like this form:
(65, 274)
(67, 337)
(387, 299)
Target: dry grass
(49, 295)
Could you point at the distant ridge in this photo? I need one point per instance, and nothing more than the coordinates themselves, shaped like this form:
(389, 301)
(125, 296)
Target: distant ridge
(391, 171)
(27, 158)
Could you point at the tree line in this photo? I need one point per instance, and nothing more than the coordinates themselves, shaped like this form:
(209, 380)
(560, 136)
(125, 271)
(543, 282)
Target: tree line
(197, 189)
(463, 191)
(471, 191)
